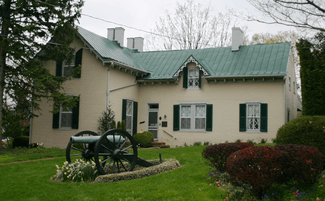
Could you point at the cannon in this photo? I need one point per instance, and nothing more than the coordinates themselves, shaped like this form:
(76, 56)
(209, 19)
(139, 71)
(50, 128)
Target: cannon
(113, 152)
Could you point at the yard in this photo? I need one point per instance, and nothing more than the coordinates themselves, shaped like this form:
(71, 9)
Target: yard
(30, 180)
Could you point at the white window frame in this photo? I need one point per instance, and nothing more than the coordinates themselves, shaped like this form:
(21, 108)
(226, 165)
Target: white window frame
(192, 118)
(129, 115)
(189, 78)
(60, 118)
(257, 117)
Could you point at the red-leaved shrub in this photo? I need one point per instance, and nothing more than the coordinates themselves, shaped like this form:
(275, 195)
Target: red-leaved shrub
(244, 145)
(257, 166)
(301, 163)
(218, 154)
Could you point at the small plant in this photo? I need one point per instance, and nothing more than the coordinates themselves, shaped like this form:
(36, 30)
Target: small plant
(197, 144)
(273, 140)
(144, 138)
(238, 140)
(206, 143)
(106, 122)
(79, 171)
(250, 141)
(263, 141)
(33, 145)
(185, 145)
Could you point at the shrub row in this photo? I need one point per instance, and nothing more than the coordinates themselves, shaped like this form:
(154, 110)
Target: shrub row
(261, 166)
(218, 154)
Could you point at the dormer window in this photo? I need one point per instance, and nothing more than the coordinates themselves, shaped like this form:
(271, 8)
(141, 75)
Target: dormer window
(193, 78)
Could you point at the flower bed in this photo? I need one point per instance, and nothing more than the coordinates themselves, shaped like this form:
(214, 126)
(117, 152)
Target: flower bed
(145, 172)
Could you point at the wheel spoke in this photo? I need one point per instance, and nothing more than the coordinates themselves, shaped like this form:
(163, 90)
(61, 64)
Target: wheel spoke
(75, 148)
(122, 165)
(127, 148)
(122, 144)
(108, 164)
(106, 147)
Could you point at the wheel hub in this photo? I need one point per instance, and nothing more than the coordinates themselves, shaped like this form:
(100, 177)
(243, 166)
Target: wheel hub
(87, 154)
(117, 153)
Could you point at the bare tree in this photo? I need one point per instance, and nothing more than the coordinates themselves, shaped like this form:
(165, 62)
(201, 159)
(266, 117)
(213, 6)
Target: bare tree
(191, 26)
(308, 14)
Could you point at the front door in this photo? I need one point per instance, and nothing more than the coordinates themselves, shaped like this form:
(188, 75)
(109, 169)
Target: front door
(153, 119)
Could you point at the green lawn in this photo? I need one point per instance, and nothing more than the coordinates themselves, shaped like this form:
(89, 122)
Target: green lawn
(30, 181)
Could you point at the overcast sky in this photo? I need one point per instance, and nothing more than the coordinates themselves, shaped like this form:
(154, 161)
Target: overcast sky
(142, 14)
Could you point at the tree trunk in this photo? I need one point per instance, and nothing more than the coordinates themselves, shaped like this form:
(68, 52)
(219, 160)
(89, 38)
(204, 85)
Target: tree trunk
(5, 15)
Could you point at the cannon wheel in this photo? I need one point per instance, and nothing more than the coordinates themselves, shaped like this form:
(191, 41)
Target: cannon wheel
(83, 149)
(118, 156)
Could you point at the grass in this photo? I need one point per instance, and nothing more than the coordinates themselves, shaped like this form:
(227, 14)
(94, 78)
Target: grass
(30, 181)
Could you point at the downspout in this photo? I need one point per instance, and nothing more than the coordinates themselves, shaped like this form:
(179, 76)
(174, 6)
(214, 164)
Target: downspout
(284, 100)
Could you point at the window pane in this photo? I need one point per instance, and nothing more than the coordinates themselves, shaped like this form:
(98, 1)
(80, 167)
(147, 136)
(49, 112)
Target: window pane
(66, 119)
(186, 111)
(200, 123)
(129, 107)
(200, 111)
(154, 132)
(186, 123)
(153, 118)
(128, 122)
(67, 70)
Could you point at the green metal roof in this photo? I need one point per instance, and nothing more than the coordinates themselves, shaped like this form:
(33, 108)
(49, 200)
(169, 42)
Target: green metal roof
(250, 60)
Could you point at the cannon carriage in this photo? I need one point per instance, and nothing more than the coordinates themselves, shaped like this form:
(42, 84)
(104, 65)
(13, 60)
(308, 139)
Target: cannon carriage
(113, 152)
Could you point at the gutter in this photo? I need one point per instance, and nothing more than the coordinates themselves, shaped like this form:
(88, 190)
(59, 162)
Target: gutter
(123, 87)
(243, 76)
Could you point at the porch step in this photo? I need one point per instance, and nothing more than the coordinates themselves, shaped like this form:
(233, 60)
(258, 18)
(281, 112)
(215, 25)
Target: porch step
(160, 144)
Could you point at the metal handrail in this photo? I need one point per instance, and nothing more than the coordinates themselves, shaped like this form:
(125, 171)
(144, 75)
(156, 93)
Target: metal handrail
(170, 134)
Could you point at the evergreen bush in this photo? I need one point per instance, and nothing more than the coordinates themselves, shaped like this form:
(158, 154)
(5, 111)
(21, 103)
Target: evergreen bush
(106, 122)
(304, 130)
(21, 141)
(145, 139)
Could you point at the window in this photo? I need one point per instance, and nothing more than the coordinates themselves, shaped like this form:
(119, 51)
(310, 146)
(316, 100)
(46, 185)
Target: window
(193, 117)
(193, 78)
(67, 68)
(130, 115)
(63, 68)
(67, 118)
(290, 83)
(294, 87)
(253, 117)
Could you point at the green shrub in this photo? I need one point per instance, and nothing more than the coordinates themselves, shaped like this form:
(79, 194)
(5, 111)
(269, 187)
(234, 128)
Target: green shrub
(197, 144)
(305, 130)
(21, 141)
(145, 139)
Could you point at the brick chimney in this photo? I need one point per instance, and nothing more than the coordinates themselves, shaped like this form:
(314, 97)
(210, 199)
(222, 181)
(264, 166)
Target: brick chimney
(237, 38)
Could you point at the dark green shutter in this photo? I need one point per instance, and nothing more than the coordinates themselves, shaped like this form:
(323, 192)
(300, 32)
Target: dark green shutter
(263, 117)
(56, 119)
(200, 79)
(209, 117)
(75, 116)
(176, 118)
(185, 77)
(78, 61)
(124, 109)
(242, 117)
(135, 117)
(58, 68)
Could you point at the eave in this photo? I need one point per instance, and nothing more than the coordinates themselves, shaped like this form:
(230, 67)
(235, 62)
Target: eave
(245, 78)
